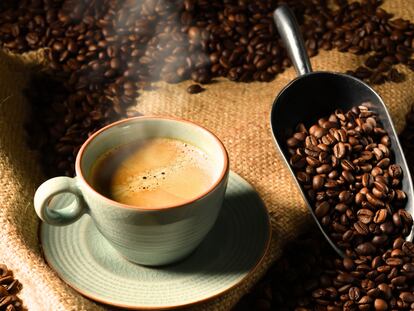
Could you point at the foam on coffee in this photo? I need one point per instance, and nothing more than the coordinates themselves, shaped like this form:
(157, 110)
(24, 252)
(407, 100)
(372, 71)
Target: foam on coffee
(154, 173)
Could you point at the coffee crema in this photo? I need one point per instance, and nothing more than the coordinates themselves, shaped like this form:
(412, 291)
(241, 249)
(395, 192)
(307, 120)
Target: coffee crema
(153, 173)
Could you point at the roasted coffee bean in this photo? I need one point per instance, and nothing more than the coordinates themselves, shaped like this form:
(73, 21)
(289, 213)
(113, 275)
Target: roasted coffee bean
(298, 161)
(399, 280)
(380, 216)
(303, 177)
(348, 176)
(345, 196)
(380, 304)
(347, 165)
(367, 180)
(386, 290)
(408, 248)
(374, 200)
(394, 262)
(9, 287)
(339, 150)
(323, 169)
(407, 297)
(365, 215)
(395, 170)
(322, 209)
(348, 264)
(196, 88)
(354, 293)
(346, 278)
(317, 182)
(361, 228)
(360, 198)
(380, 240)
(365, 249)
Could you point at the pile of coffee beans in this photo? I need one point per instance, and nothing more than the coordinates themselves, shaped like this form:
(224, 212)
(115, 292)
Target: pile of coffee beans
(102, 52)
(315, 278)
(346, 167)
(9, 287)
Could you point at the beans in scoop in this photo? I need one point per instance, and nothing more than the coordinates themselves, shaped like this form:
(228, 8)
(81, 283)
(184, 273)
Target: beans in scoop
(346, 167)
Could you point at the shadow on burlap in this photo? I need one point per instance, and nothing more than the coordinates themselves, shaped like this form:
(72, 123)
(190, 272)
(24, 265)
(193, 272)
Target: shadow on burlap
(237, 112)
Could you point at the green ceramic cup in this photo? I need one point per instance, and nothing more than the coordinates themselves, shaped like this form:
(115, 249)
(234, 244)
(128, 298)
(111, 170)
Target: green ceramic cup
(147, 236)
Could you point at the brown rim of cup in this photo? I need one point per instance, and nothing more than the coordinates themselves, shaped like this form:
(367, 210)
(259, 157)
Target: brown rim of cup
(79, 173)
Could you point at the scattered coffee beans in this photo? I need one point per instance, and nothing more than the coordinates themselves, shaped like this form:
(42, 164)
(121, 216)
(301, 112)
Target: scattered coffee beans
(103, 52)
(9, 287)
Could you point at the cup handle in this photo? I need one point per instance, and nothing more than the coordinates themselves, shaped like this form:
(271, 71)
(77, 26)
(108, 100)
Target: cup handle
(46, 208)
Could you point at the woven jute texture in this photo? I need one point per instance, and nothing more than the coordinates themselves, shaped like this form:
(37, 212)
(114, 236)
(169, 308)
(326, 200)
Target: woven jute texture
(238, 113)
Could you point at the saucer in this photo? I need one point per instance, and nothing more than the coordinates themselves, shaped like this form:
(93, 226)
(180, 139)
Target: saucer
(231, 250)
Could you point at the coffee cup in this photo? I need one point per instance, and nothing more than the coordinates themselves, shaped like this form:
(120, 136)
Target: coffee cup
(153, 234)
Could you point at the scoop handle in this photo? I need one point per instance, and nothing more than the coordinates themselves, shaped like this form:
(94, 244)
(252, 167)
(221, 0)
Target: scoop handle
(292, 39)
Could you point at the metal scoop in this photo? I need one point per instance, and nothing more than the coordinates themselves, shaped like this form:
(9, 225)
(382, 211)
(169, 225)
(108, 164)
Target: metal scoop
(313, 95)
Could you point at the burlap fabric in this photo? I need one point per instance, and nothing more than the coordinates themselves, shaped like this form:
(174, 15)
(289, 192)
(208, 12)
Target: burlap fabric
(238, 113)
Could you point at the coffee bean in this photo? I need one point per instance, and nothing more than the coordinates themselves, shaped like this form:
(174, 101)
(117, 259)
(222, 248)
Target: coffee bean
(401, 196)
(341, 208)
(387, 227)
(300, 136)
(348, 177)
(380, 216)
(303, 177)
(399, 280)
(395, 170)
(386, 290)
(361, 228)
(372, 61)
(322, 209)
(408, 248)
(346, 278)
(374, 201)
(298, 161)
(381, 188)
(394, 262)
(339, 150)
(380, 304)
(324, 169)
(196, 88)
(354, 293)
(10, 287)
(367, 180)
(348, 264)
(345, 196)
(407, 297)
(384, 163)
(347, 165)
(318, 182)
(365, 249)
(365, 216)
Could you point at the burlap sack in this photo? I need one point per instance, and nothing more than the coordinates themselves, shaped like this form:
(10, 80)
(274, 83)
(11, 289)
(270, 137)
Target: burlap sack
(238, 113)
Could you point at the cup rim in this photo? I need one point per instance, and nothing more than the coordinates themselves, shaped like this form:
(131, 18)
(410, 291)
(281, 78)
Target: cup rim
(79, 157)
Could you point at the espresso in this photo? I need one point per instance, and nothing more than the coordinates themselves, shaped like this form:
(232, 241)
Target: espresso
(153, 173)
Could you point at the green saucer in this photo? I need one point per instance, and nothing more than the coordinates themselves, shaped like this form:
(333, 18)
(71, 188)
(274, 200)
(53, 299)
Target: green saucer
(232, 249)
